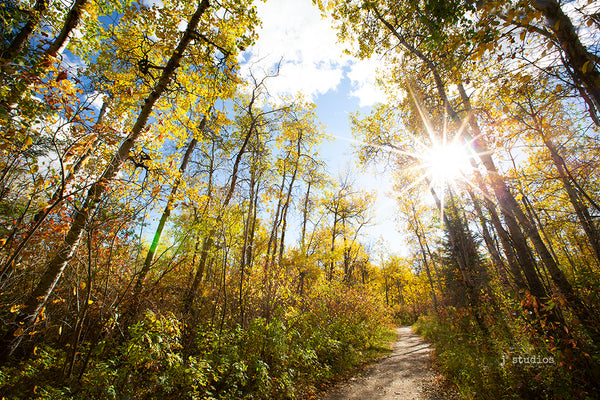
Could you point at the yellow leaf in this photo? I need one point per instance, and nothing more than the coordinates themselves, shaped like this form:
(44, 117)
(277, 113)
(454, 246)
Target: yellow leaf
(27, 143)
(557, 25)
(18, 332)
(523, 35)
(82, 285)
(15, 308)
(585, 67)
(90, 301)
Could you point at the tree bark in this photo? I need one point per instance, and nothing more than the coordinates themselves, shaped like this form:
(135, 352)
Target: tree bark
(289, 194)
(506, 200)
(189, 297)
(71, 22)
(487, 237)
(272, 243)
(305, 217)
(460, 251)
(425, 262)
(246, 244)
(55, 201)
(512, 210)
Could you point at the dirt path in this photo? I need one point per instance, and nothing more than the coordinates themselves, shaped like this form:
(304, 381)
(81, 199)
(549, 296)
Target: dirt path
(406, 374)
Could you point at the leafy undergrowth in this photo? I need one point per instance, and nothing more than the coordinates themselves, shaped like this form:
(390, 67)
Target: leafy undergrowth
(310, 341)
(498, 365)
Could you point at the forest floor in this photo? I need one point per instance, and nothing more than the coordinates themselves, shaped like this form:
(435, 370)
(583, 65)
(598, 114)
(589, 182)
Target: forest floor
(406, 374)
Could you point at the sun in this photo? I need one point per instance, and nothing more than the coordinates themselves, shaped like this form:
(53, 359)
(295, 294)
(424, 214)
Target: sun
(446, 163)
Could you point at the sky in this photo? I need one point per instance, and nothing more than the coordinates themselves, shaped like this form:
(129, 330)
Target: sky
(312, 62)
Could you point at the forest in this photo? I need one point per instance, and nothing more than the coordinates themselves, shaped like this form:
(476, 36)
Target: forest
(169, 229)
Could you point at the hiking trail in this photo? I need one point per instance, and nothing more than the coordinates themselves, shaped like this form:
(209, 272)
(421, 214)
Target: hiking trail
(405, 374)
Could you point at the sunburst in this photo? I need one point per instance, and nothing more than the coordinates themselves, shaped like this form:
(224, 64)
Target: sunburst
(446, 163)
(442, 163)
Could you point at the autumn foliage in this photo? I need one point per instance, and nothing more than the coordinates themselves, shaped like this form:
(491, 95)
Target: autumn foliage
(169, 230)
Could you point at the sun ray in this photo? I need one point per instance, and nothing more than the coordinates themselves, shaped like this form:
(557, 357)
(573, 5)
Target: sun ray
(443, 163)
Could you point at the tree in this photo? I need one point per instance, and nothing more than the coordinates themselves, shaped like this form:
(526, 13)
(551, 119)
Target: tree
(348, 209)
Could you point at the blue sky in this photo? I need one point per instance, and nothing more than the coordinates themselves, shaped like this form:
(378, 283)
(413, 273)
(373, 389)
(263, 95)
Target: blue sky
(313, 63)
(333, 109)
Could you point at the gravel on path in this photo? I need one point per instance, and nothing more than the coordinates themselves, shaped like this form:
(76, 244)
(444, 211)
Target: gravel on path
(406, 374)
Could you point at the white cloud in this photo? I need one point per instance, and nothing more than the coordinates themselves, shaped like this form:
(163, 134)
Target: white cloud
(182, 26)
(98, 100)
(363, 75)
(150, 3)
(312, 61)
(72, 63)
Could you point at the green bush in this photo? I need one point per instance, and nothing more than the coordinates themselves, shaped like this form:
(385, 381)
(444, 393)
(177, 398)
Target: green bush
(483, 368)
(308, 341)
(34, 378)
(147, 365)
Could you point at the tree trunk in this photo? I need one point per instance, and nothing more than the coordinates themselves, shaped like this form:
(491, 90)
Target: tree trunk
(72, 20)
(139, 283)
(507, 202)
(582, 213)
(434, 265)
(463, 249)
(23, 37)
(305, 217)
(580, 61)
(272, 243)
(509, 250)
(190, 295)
(289, 194)
(512, 210)
(487, 237)
(244, 254)
(333, 236)
(426, 264)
